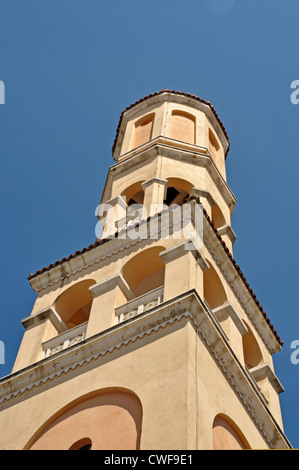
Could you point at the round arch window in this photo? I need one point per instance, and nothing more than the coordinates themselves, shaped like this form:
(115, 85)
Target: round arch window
(82, 444)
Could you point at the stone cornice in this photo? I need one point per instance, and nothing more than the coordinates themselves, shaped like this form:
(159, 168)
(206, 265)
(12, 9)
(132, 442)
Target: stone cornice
(240, 290)
(227, 310)
(110, 284)
(47, 313)
(88, 258)
(169, 96)
(114, 246)
(264, 371)
(170, 148)
(185, 308)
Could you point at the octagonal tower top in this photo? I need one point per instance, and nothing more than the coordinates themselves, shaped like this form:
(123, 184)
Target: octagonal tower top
(177, 118)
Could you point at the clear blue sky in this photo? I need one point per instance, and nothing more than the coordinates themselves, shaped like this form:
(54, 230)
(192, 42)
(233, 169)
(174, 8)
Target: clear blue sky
(71, 66)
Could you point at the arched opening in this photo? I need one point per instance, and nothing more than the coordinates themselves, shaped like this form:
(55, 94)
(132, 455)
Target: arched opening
(111, 419)
(214, 292)
(73, 305)
(134, 196)
(82, 444)
(145, 271)
(227, 435)
(182, 127)
(252, 352)
(214, 146)
(177, 190)
(143, 130)
(217, 217)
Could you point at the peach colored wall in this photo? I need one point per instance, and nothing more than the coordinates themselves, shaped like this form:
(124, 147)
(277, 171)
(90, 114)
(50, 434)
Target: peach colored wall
(141, 266)
(227, 438)
(111, 421)
(143, 130)
(73, 305)
(252, 353)
(214, 292)
(182, 127)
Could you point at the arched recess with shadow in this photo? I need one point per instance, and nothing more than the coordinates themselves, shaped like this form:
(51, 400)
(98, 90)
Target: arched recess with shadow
(227, 435)
(214, 292)
(134, 196)
(217, 217)
(178, 189)
(145, 271)
(110, 419)
(252, 353)
(74, 304)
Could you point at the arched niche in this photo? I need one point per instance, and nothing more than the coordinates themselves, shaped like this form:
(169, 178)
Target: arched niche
(74, 304)
(142, 131)
(252, 353)
(134, 196)
(214, 292)
(106, 420)
(182, 126)
(227, 435)
(83, 444)
(177, 190)
(145, 271)
(217, 217)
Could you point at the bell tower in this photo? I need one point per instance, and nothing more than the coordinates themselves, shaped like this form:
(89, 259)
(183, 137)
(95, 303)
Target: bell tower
(151, 337)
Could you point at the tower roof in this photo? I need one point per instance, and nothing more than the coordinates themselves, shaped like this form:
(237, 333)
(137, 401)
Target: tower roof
(172, 92)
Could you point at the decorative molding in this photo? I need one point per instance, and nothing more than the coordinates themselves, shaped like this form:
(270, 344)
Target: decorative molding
(45, 314)
(153, 180)
(263, 371)
(183, 248)
(228, 231)
(201, 193)
(166, 147)
(110, 284)
(227, 310)
(185, 307)
(239, 289)
(87, 260)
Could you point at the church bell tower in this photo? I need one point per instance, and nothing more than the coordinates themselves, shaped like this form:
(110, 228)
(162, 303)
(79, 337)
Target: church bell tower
(150, 338)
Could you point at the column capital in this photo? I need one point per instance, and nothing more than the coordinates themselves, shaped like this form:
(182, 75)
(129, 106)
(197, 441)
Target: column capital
(109, 284)
(153, 180)
(227, 310)
(182, 249)
(45, 314)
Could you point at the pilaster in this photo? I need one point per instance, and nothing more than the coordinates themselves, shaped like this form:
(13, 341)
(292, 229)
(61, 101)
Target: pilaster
(107, 295)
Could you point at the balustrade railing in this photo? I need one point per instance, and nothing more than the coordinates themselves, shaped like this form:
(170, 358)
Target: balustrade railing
(139, 305)
(64, 340)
